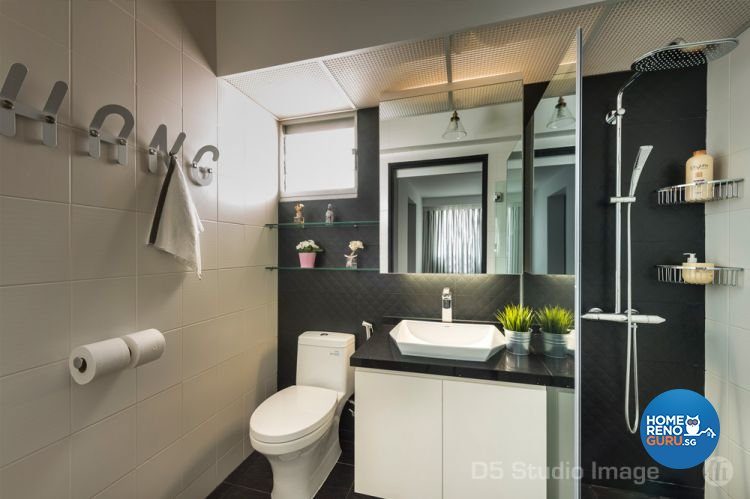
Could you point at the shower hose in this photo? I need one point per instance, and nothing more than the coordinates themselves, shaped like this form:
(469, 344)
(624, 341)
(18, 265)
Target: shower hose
(632, 346)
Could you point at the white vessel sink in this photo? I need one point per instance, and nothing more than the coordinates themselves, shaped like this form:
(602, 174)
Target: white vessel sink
(444, 340)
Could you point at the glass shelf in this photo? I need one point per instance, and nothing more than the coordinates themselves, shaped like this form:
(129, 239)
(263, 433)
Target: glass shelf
(722, 276)
(343, 269)
(700, 192)
(292, 225)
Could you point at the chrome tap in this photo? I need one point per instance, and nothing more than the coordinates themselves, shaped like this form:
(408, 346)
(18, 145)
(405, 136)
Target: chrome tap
(447, 298)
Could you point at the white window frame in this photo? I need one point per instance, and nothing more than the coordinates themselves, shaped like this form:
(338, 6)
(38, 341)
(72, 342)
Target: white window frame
(318, 194)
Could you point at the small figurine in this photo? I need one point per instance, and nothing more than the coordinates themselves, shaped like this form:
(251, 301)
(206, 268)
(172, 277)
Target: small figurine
(299, 217)
(329, 214)
(351, 260)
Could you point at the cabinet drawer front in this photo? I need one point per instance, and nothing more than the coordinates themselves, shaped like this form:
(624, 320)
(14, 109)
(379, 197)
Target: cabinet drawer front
(398, 432)
(494, 436)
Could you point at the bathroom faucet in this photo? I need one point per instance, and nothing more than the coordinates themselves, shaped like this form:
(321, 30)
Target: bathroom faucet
(447, 305)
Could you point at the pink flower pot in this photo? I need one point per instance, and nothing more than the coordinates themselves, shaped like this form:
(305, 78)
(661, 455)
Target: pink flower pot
(307, 260)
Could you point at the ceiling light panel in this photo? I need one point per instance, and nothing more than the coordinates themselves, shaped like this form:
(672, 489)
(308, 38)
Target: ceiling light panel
(533, 46)
(633, 28)
(366, 75)
(301, 89)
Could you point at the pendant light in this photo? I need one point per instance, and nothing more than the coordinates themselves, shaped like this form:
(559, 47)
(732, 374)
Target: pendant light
(455, 130)
(561, 116)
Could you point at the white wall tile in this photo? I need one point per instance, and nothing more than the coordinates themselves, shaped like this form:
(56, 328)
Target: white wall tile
(46, 60)
(202, 486)
(734, 418)
(94, 85)
(164, 372)
(101, 398)
(199, 450)
(198, 399)
(154, 109)
(205, 199)
(230, 426)
(103, 453)
(163, 18)
(102, 182)
(229, 461)
(199, 106)
(739, 351)
(34, 246)
(161, 476)
(210, 245)
(159, 65)
(159, 422)
(124, 488)
(717, 120)
(739, 94)
(199, 33)
(34, 325)
(103, 33)
(200, 297)
(232, 379)
(716, 348)
(739, 238)
(229, 335)
(199, 348)
(50, 19)
(102, 242)
(233, 251)
(233, 195)
(102, 309)
(160, 301)
(35, 405)
(29, 170)
(22, 478)
(233, 290)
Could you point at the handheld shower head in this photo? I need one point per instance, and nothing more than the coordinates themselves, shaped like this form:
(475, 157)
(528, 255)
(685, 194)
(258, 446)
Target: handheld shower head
(640, 162)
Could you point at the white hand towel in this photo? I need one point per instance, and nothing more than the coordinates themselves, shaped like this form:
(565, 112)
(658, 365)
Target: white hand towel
(176, 227)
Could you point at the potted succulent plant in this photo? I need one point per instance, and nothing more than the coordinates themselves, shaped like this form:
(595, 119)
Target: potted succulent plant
(307, 251)
(516, 321)
(555, 323)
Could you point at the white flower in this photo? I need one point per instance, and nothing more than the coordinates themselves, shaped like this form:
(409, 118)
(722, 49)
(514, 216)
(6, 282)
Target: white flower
(308, 246)
(355, 245)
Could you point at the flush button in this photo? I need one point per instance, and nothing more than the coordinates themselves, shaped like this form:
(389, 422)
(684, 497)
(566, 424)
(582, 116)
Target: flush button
(324, 334)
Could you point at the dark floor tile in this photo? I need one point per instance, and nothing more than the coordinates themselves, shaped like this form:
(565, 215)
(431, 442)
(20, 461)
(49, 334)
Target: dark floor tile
(355, 495)
(254, 473)
(347, 452)
(588, 492)
(345, 434)
(338, 484)
(229, 491)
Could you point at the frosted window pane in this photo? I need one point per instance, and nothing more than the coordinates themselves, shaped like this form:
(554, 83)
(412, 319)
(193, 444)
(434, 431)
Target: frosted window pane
(319, 160)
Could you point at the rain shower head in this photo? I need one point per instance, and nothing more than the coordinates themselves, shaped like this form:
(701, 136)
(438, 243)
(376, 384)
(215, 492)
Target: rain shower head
(680, 55)
(640, 162)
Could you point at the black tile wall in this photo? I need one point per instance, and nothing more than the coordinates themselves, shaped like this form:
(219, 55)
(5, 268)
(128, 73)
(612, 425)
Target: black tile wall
(668, 111)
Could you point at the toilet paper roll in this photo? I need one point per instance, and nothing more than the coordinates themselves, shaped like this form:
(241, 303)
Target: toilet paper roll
(145, 346)
(88, 362)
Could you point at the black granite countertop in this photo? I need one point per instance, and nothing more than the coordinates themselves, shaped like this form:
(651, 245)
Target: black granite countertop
(381, 352)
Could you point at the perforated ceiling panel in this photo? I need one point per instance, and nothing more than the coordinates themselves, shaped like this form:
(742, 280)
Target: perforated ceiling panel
(488, 95)
(295, 90)
(633, 28)
(533, 47)
(364, 76)
(414, 106)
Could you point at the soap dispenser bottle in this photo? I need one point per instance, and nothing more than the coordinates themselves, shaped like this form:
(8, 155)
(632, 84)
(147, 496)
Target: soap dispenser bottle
(697, 273)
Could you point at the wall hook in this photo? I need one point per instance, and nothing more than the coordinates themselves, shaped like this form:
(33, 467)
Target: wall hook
(10, 107)
(96, 135)
(158, 146)
(203, 175)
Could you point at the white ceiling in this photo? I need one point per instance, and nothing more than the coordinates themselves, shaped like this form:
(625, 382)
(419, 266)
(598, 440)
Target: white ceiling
(615, 33)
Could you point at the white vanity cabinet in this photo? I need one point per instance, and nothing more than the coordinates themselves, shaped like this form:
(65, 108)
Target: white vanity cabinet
(438, 437)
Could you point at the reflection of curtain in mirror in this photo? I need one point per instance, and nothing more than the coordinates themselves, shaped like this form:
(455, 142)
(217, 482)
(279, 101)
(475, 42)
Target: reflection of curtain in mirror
(514, 239)
(452, 240)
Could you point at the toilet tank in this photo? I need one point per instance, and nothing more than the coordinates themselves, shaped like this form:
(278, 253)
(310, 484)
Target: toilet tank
(323, 360)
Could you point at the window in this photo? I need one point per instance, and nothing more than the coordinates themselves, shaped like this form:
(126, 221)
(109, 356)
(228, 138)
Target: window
(319, 159)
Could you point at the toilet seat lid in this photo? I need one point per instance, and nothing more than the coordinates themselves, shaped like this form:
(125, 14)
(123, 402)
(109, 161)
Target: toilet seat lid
(292, 413)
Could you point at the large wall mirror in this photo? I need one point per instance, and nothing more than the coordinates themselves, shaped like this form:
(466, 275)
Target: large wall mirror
(552, 201)
(451, 176)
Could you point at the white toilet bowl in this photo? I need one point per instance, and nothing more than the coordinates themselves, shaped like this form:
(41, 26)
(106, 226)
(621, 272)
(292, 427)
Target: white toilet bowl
(297, 429)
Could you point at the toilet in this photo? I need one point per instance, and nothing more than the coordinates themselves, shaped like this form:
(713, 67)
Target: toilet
(297, 428)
